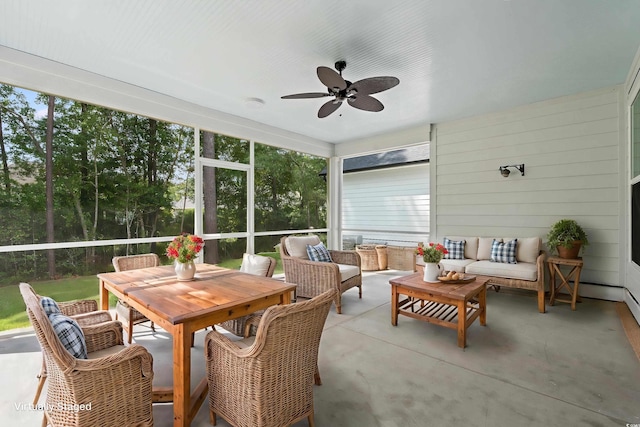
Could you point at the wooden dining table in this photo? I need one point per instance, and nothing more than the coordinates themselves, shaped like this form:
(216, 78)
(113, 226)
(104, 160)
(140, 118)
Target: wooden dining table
(181, 308)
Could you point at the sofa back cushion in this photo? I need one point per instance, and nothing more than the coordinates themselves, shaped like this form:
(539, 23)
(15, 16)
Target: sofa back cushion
(470, 245)
(297, 245)
(528, 249)
(484, 247)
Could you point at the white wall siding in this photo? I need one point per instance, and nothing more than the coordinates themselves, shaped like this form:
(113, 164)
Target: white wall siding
(630, 268)
(570, 148)
(387, 201)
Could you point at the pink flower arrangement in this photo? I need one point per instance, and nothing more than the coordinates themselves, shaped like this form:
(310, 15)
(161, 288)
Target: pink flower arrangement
(185, 248)
(433, 253)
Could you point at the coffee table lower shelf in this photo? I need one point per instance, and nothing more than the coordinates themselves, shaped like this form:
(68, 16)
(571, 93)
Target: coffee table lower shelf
(441, 314)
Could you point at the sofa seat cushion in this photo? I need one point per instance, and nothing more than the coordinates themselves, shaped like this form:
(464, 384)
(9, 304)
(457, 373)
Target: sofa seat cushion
(458, 265)
(348, 271)
(521, 271)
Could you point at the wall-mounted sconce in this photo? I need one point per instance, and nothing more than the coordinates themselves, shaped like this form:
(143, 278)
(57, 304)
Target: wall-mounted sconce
(504, 170)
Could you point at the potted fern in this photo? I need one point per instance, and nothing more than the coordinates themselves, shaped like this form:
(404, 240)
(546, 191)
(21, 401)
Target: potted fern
(567, 237)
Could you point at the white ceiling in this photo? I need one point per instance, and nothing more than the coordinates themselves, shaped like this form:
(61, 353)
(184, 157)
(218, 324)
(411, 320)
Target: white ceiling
(454, 58)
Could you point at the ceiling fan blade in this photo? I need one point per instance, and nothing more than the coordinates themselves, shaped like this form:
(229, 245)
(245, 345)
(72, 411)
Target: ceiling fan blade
(306, 95)
(328, 108)
(331, 79)
(374, 84)
(366, 103)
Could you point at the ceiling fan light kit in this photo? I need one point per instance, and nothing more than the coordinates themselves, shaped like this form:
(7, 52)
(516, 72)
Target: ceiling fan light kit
(356, 94)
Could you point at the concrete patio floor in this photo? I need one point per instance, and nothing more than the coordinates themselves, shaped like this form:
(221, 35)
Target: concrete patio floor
(562, 368)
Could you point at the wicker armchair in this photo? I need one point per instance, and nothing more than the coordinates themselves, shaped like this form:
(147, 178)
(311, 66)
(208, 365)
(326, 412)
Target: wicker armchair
(86, 313)
(269, 383)
(115, 380)
(314, 278)
(130, 315)
(253, 264)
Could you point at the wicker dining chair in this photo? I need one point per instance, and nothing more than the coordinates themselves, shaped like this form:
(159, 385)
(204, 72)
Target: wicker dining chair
(313, 277)
(270, 382)
(130, 315)
(258, 265)
(112, 387)
(86, 313)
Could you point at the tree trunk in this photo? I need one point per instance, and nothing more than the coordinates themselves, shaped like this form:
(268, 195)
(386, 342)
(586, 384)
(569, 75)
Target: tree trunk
(51, 255)
(152, 178)
(83, 202)
(84, 156)
(211, 250)
(5, 163)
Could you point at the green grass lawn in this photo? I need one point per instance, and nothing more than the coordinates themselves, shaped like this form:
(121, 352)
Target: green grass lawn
(13, 312)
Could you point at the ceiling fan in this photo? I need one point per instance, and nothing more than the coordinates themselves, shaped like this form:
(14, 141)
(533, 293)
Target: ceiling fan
(356, 94)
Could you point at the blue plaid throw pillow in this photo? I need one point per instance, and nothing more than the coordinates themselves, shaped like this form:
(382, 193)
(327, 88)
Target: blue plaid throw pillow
(319, 253)
(456, 249)
(504, 252)
(70, 335)
(50, 306)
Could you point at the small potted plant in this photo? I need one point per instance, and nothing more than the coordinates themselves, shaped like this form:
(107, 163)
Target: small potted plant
(567, 237)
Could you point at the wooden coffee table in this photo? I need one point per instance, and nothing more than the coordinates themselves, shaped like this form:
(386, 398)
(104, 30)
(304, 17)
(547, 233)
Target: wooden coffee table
(453, 306)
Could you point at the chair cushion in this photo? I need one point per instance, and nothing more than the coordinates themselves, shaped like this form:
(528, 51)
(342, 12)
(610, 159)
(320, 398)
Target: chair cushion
(504, 252)
(50, 306)
(245, 342)
(106, 352)
(521, 271)
(318, 253)
(297, 245)
(255, 264)
(347, 271)
(455, 249)
(70, 335)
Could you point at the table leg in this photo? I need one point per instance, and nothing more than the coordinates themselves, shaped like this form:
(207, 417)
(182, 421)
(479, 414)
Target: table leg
(104, 297)
(462, 324)
(576, 282)
(181, 376)
(285, 298)
(552, 283)
(482, 301)
(394, 305)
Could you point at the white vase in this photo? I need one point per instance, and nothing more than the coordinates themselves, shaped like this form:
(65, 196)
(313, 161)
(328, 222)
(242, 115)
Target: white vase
(431, 272)
(185, 271)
